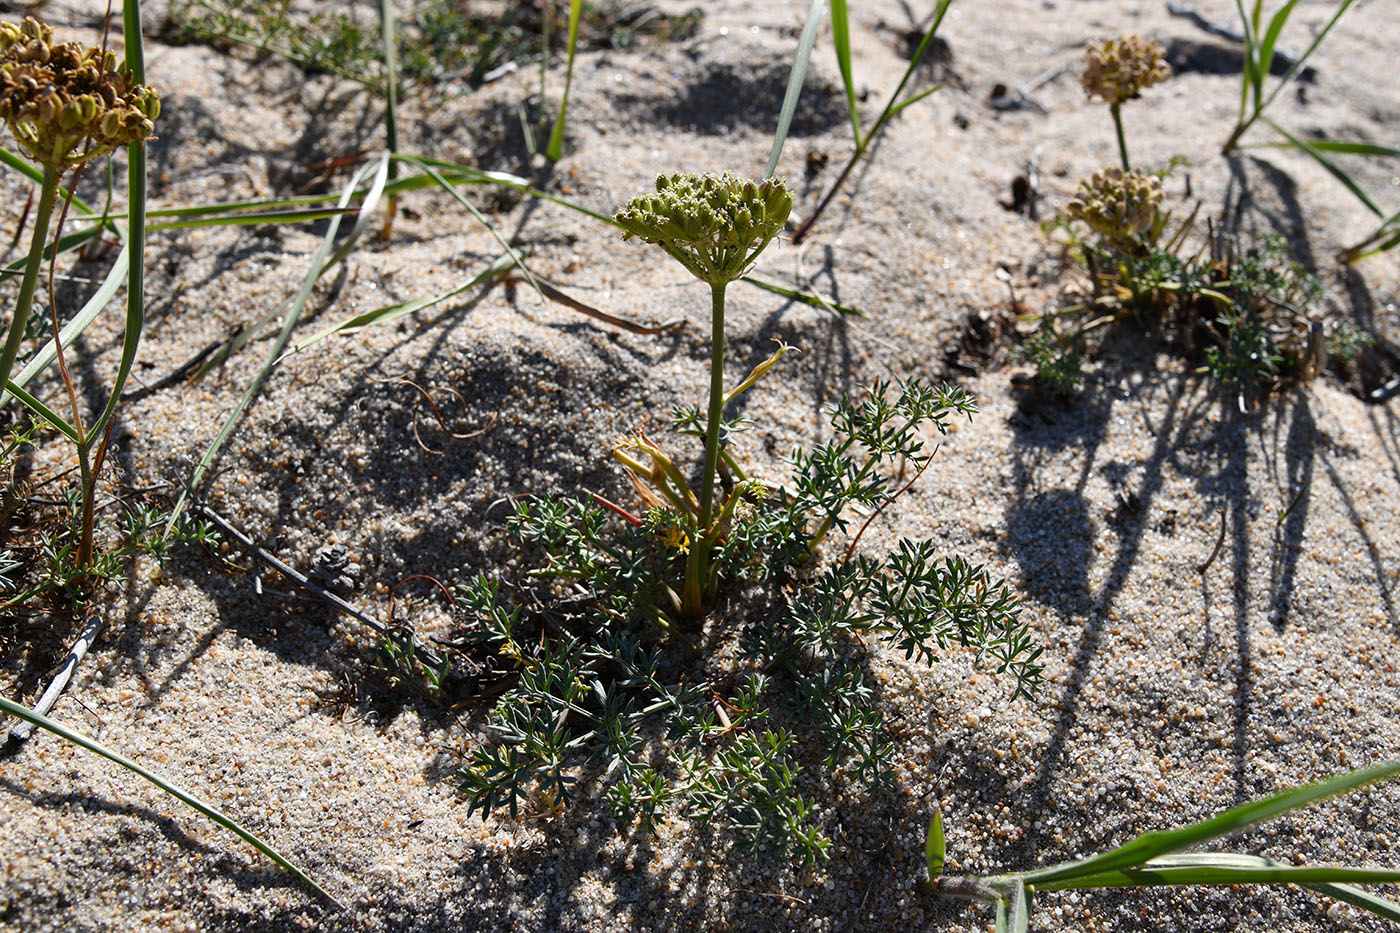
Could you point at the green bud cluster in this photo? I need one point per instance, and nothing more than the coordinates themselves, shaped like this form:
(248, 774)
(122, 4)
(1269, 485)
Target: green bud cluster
(67, 103)
(1119, 205)
(1119, 69)
(714, 225)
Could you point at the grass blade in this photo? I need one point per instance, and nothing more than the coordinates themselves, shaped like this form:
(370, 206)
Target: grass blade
(70, 332)
(913, 99)
(1302, 59)
(43, 411)
(935, 849)
(135, 248)
(1154, 844)
(1224, 868)
(319, 263)
(841, 40)
(481, 218)
(555, 150)
(892, 107)
(1333, 145)
(1332, 167)
(1356, 897)
(806, 298)
(388, 30)
(1019, 914)
(66, 244)
(1247, 73)
(390, 313)
(794, 85)
(243, 220)
(1265, 56)
(77, 738)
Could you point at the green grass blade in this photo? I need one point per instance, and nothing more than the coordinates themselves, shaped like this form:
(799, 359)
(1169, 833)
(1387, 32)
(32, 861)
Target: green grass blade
(1356, 897)
(466, 175)
(244, 220)
(892, 107)
(42, 410)
(1265, 57)
(1019, 911)
(935, 848)
(481, 218)
(388, 32)
(1305, 146)
(66, 244)
(77, 738)
(555, 150)
(1225, 868)
(913, 99)
(841, 40)
(1154, 844)
(27, 169)
(391, 313)
(319, 263)
(1251, 44)
(1302, 59)
(1342, 147)
(807, 298)
(70, 331)
(135, 246)
(794, 85)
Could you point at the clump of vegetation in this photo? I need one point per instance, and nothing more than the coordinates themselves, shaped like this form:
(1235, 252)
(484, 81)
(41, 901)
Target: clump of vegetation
(438, 40)
(690, 658)
(1248, 315)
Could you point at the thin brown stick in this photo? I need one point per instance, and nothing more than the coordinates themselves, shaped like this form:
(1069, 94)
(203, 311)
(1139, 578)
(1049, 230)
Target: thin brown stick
(851, 548)
(417, 576)
(306, 583)
(442, 423)
(554, 294)
(1219, 542)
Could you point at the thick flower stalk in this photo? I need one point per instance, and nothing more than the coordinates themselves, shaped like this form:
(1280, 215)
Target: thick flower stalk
(1120, 206)
(1117, 71)
(715, 226)
(66, 104)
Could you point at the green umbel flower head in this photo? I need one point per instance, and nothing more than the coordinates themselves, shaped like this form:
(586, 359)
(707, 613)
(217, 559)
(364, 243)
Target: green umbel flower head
(66, 103)
(1119, 69)
(714, 225)
(1119, 205)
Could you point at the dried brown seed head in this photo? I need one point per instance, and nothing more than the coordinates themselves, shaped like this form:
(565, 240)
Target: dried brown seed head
(1119, 69)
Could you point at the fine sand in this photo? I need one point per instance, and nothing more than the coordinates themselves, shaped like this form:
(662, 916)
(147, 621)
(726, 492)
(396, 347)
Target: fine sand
(1170, 693)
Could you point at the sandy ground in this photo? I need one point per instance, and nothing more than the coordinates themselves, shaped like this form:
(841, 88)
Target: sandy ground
(1170, 693)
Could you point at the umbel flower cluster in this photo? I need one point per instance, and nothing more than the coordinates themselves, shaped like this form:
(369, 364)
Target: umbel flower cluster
(1119, 205)
(714, 225)
(1119, 69)
(67, 103)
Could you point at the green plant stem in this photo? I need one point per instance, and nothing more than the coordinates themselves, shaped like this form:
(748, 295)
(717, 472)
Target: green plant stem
(47, 194)
(388, 29)
(697, 566)
(1117, 111)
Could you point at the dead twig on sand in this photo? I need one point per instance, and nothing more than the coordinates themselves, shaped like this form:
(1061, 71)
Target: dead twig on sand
(405, 642)
(21, 731)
